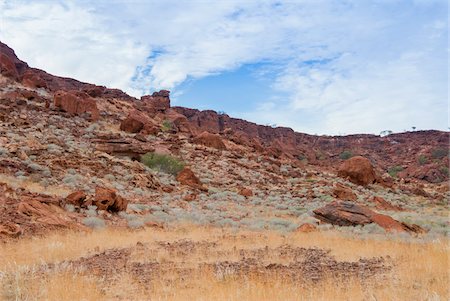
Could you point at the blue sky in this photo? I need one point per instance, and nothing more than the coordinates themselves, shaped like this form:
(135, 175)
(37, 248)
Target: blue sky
(325, 67)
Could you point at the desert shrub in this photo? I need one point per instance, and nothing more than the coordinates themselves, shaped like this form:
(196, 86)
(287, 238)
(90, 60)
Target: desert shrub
(94, 222)
(3, 151)
(162, 162)
(346, 155)
(91, 211)
(439, 153)
(394, 170)
(69, 208)
(166, 126)
(444, 170)
(422, 159)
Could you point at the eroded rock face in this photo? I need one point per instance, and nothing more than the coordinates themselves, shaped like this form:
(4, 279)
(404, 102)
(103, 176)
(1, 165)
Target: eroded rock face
(76, 103)
(358, 170)
(210, 140)
(109, 199)
(159, 101)
(187, 177)
(344, 213)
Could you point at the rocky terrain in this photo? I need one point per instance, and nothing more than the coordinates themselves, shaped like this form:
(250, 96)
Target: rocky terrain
(79, 157)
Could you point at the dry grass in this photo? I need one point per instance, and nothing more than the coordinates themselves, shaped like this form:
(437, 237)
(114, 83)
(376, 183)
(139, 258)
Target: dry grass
(420, 269)
(34, 187)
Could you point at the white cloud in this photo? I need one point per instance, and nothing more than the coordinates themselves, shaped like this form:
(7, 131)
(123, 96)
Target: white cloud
(345, 66)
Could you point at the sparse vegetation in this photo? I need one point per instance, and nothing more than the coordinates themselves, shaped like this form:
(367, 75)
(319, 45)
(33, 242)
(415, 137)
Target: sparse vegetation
(439, 153)
(94, 222)
(346, 155)
(423, 159)
(393, 171)
(163, 162)
(166, 126)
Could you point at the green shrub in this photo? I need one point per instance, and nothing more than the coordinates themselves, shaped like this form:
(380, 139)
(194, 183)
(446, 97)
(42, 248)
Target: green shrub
(444, 170)
(164, 163)
(423, 159)
(346, 155)
(166, 126)
(439, 153)
(394, 170)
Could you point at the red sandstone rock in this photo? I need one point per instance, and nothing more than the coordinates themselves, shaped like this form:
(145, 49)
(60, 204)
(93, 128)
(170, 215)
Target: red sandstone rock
(139, 122)
(307, 228)
(109, 199)
(187, 177)
(343, 213)
(358, 170)
(76, 198)
(246, 192)
(343, 193)
(159, 101)
(76, 103)
(32, 79)
(382, 204)
(210, 140)
(7, 67)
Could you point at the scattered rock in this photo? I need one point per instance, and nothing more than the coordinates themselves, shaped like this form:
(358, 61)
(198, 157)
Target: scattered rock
(358, 170)
(382, 204)
(139, 122)
(246, 192)
(76, 198)
(343, 213)
(307, 228)
(187, 177)
(210, 140)
(109, 199)
(344, 193)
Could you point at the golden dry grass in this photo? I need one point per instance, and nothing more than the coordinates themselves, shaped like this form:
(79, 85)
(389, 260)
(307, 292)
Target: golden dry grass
(420, 269)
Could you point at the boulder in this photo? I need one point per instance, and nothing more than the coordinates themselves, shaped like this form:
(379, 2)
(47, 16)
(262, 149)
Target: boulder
(358, 170)
(139, 122)
(343, 193)
(344, 213)
(159, 101)
(123, 147)
(77, 103)
(7, 67)
(210, 140)
(109, 199)
(76, 198)
(187, 177)
(32, 79)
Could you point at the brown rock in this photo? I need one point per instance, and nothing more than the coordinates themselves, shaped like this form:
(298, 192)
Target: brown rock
(344, 213)
(7, 67)
(159, 101)
(108, 199)
(76, 198)
(137, 121)
(246, 192)
(344, 193)
(210, 140)
(382, 204)
(190, 197)
(76, 103)
(32, 79)
(358, 170)
(187, 177)
(307, 228)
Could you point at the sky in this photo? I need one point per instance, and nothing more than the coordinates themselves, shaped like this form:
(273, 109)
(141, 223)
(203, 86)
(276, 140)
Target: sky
(319, 67)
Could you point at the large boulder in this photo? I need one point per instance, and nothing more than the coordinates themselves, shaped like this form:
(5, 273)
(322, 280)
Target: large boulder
(159, 101)
(344, 213)
(109, 199)
(358, 170)
(139, 122)
(187, 177)
(7, 67)
(77, 103)
(76, 198)
(210, 140)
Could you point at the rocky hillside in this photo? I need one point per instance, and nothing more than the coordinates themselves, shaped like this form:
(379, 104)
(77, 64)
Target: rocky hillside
(78, 155)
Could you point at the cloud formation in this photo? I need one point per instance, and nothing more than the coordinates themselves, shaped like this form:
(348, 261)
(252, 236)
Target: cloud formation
(340, 66)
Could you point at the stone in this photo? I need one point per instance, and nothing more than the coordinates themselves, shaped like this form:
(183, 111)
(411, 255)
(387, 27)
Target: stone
(358, 170)
(77, 103)
(209, 140)
(109, 200)
(246, 192)
(76, 198)
(343, 193)
(187, 177)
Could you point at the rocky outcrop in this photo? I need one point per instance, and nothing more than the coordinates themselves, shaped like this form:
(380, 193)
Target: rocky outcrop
(109, 199)
(187, 177)
(159, 101)
(77, 103)
(123, 147)
(382, 204)
(344, 213)
(76, 198)
(358, 170)
(209, 140)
